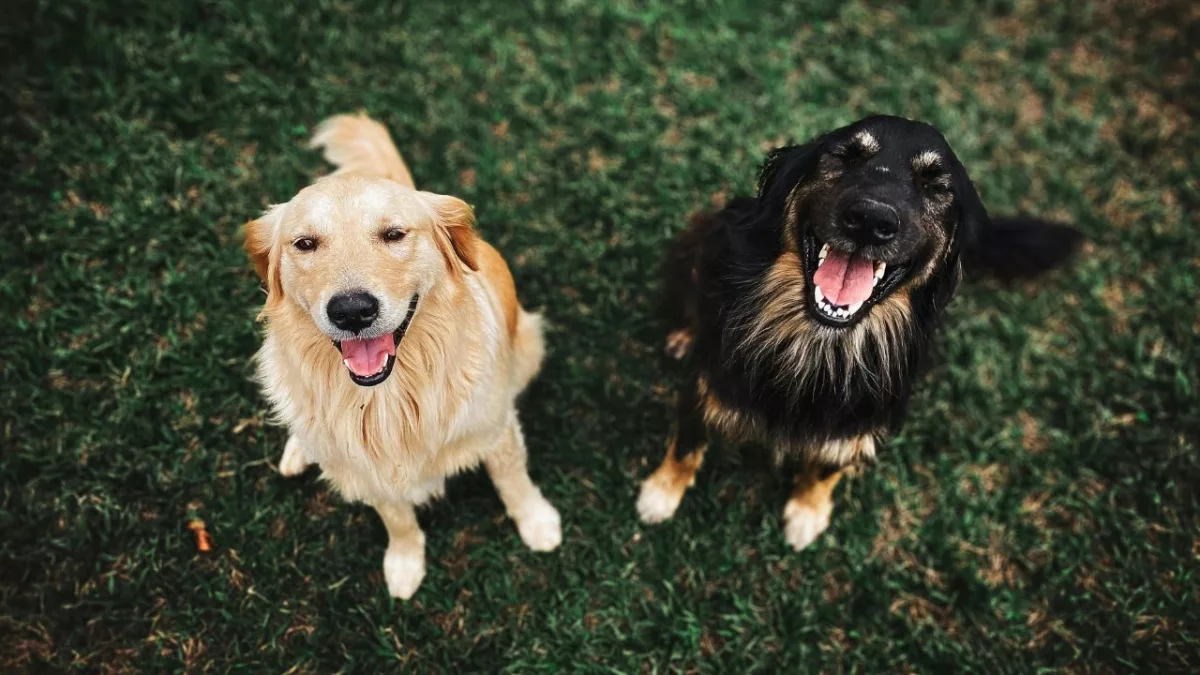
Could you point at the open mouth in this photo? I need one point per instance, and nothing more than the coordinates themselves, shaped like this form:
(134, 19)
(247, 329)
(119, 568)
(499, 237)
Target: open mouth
(370, 360)
(845, 285)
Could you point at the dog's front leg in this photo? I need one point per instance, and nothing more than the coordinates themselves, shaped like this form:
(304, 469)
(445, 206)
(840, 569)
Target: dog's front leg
(404, 562)
(537, 520)
(663, 490)
(295, 458)
(810, 506)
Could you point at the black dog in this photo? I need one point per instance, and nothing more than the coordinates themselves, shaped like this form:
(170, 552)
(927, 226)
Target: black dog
(805, 311)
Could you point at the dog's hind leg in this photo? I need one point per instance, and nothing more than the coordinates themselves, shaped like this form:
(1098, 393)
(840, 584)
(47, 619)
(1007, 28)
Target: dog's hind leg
(295, 459)
(404, 562)
(680, 284)
(663, 491)
(537, 520)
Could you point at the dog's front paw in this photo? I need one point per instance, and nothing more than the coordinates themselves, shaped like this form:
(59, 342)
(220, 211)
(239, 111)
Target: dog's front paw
(803, 524)
(659, 498)
(294, 460)
(403, 569)
(539, 525)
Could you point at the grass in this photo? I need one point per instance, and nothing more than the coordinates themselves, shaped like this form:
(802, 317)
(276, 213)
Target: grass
(1039, 509)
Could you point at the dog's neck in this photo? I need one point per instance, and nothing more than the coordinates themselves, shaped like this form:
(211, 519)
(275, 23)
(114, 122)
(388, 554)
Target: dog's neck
(770, 330)
(436, 364)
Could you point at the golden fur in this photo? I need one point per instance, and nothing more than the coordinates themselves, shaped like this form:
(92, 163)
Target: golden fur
(470, 349)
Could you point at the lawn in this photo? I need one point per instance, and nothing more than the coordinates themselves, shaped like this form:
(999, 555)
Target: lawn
(1038, 510)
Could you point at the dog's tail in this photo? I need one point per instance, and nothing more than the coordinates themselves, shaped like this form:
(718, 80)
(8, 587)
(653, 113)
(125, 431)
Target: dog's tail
(529, 348)
(1016, 248)
(359, 144)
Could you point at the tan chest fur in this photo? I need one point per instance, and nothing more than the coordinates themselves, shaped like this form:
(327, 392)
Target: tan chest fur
(449, 392)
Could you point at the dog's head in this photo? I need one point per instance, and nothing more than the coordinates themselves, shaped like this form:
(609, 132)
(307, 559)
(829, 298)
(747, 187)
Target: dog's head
(877, 206)
(356, 255)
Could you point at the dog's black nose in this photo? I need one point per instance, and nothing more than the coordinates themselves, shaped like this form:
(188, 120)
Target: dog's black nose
(869, 222)
(354, 312)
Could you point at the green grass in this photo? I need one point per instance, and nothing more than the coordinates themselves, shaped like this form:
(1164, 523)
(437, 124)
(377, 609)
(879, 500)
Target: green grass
(1039, 509)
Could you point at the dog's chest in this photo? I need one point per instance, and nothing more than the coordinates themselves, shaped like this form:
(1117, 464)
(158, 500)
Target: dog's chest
(398, 440)
(806, 416)
(404, 444)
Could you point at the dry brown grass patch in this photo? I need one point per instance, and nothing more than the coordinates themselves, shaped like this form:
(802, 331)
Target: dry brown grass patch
(924, 612)
(1045, 627)
(987, 477)
(899, 523)
(997, 564)
(1032, 438)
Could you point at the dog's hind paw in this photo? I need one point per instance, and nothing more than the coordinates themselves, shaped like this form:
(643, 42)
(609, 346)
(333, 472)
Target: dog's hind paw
(679, 343)
(294, 460)
(658, 499)
(540, 525)
(403, 570)
(803, 524)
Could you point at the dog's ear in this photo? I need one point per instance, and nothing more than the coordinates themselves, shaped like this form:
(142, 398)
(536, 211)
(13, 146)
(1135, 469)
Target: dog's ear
(259, 241)
(783, 171)
(972, 219)
(785, 167)
(454, 232)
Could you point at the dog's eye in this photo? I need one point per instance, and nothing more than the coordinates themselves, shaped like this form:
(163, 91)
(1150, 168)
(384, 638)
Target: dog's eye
(934, 181)
(393, 234)
(849, 153)
(936, 185)
(305, 244)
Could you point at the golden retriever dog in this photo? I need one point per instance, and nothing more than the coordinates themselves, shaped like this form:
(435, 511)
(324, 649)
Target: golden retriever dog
(395, 346)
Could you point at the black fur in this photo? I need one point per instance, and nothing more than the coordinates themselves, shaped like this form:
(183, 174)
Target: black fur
(1015, 248)
(717, 268)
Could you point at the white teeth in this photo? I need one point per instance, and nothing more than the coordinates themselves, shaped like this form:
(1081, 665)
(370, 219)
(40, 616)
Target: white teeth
(824, 252)
(346, 362)
(880, 268)
(837, 311)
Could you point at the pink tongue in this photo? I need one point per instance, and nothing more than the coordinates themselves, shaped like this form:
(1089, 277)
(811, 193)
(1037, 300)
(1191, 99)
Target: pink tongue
(367, 357)
(845, 278)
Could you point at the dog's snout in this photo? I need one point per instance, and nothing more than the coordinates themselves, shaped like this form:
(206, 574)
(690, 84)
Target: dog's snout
(354, 311)
(869, 222)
